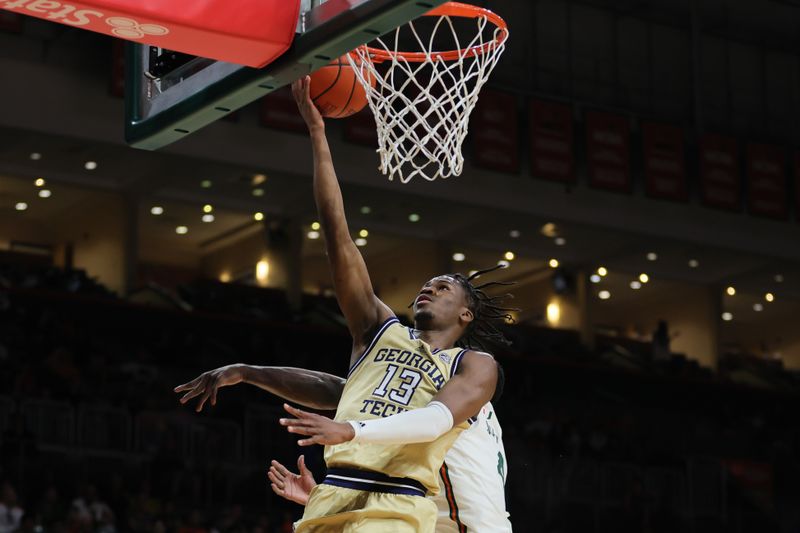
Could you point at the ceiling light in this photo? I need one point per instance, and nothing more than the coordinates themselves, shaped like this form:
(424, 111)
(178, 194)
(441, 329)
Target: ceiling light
(694, 263)
(225, 277)
(361, 242)
(595, 278)
(258, 179)
(652, 256)
(549, 230)
(39, 182)
(258, 192)
(731, 291)
(315, 226)
(262, 272)
(458, 256)
(205, 184)
(156, 210)
(363, 233)
(90, 165)
(313, 235)
(413, 217)
(514, 233)
(208, 208)
(35, 156)
(778, 278)
(727, 317)
(553, 313)
(259, 216)
(636, 285)
(21, 206)
(602, 271)
(553, 263)
(509, 256)
(503, 263)
(644, 278)
(560, 241)
(769, 297)
(366, 210)
(758, 307)
(208, 217)
(604, 295)
(181, 230)
(45, 193)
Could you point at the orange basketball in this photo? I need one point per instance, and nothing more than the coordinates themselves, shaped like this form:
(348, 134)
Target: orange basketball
(336, 91)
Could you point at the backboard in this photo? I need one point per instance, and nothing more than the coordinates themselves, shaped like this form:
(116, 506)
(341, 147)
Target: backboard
(170, 95)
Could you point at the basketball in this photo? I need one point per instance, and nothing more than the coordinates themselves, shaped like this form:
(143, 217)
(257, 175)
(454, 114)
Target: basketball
(336, 91)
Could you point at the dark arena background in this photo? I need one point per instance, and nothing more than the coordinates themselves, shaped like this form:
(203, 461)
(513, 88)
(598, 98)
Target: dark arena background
(635, 162)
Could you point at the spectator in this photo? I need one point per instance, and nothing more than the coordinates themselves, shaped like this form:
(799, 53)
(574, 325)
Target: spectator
(10, 512)
(51, 509)
(195, 524)
(660, 342)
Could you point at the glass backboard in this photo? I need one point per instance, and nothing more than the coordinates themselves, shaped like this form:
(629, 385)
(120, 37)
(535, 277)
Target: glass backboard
(170, 95)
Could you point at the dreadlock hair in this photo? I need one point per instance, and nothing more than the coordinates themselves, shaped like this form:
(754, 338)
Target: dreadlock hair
(488, 311)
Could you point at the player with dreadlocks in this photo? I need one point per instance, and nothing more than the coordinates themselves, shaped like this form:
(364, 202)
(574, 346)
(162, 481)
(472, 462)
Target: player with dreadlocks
(472, 478)
(379, 470)
(487, 310)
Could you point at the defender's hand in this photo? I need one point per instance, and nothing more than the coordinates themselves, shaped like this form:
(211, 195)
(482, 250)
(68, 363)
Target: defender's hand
(208, 383)
(289, 485)
(301, 90)
(320, 429)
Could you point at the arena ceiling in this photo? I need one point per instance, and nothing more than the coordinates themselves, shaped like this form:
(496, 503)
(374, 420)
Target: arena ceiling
(484, 234)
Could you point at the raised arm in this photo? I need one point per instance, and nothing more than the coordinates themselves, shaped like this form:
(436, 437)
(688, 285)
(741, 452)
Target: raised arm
(309, 388)
(362, 309)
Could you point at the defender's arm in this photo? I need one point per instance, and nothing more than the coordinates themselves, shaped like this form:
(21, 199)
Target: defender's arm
(310, 388)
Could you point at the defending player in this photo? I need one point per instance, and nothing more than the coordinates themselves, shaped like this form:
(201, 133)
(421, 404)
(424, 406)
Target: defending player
(374, 483)
(471, 480)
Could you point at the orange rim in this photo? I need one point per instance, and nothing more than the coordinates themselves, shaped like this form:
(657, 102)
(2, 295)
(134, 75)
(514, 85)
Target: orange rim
(450, 9)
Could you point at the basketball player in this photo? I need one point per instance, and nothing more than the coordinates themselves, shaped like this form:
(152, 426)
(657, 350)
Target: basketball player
(471, 480)
(379, 470)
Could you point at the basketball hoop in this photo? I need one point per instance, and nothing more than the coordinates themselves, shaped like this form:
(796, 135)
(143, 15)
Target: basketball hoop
(422, 99)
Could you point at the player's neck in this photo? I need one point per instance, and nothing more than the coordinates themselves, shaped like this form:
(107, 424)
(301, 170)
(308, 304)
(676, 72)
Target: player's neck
(441, 339)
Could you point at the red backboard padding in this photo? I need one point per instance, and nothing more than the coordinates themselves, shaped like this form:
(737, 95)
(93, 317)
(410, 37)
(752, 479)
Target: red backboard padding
(247, 32)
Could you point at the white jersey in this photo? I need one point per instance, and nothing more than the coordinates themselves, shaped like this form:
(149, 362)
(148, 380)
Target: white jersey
(472, 480)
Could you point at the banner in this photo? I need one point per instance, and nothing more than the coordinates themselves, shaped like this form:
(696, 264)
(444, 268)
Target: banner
(720, 178)
(766, 181)
(211, 28)
(664, 161)
(494, 128)
(278, 110)
(552, 143)
(608, 150)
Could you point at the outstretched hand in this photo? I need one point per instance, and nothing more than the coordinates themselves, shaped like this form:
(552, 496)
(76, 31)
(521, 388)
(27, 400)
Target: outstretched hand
(301, 90)
(320, 429)
(286, 484)
(208, 383)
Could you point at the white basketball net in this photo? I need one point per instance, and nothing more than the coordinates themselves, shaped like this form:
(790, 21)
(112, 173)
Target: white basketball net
(422, 108)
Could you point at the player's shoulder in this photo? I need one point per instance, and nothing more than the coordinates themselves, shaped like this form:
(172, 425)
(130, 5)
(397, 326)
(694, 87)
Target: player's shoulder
(480, 357)
(478, 353)
(476, 361)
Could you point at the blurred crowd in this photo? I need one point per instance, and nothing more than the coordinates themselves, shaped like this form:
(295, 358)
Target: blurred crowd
(611, 439)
